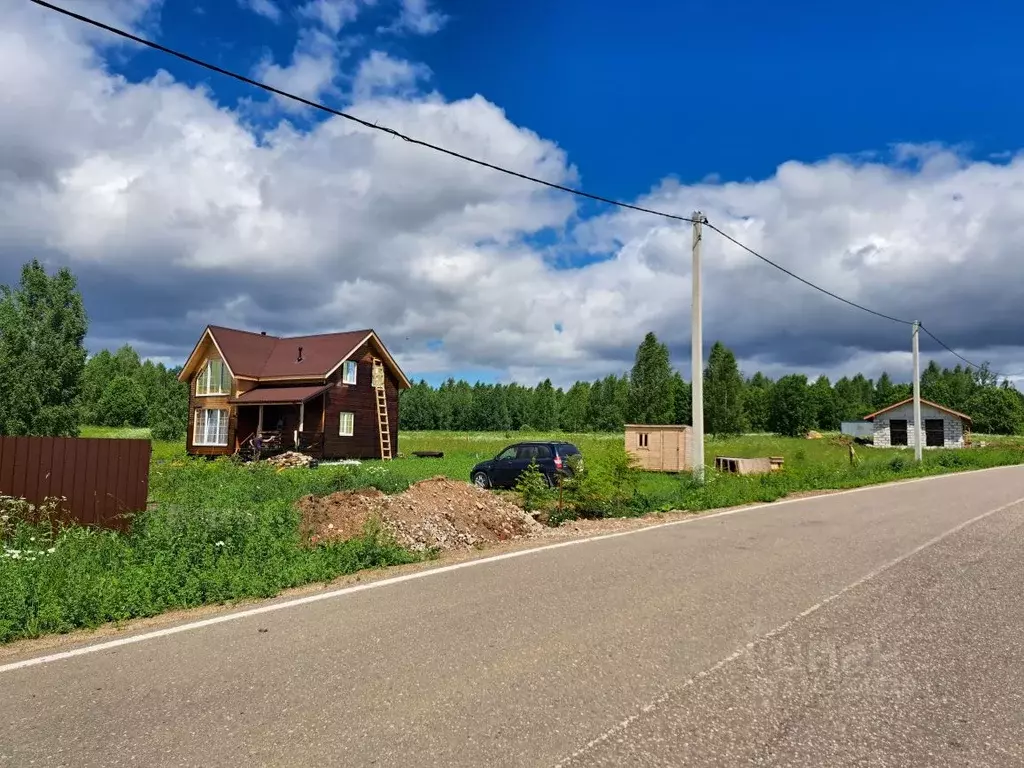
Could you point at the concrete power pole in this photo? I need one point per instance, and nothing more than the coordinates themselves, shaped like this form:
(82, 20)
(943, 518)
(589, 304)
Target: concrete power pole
(697, 354)
(918, 448)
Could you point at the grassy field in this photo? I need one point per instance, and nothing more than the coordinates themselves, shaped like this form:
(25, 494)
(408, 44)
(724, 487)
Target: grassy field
(809, 465)
(222, 531)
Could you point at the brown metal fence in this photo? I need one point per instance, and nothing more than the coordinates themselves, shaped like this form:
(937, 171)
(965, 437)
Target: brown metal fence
(102, 479)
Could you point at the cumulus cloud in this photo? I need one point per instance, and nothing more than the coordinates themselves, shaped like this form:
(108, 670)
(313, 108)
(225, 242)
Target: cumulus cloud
(174, 214)
(419, 18)
(334, 14)
(265, 8)
(379, 75)
(311, 73)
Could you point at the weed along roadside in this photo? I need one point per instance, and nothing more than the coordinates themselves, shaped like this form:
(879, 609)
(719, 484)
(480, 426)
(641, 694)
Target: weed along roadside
(221, 531)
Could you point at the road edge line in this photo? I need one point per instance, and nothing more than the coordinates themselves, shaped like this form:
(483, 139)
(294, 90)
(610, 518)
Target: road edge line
(782, 628)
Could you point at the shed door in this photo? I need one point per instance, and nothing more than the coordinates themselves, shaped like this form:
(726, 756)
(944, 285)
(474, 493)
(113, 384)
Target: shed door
(934, 432)
(898, 432)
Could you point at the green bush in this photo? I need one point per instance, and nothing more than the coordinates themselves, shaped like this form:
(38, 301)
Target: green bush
(167, 429)
(604, 485)
(898, 463)
(533, 488)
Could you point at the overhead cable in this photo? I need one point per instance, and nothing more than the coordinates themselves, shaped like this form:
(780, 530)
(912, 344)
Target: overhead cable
(338, 113)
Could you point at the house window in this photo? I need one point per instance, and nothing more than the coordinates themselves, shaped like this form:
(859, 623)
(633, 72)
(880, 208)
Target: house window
(935, 432)
(211, 427)
(348, 372)
(898, 432)
(641, 439)
(347, 425)
(213, 379)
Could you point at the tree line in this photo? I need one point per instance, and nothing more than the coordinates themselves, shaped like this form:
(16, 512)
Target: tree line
(653, 393)
(50, 386)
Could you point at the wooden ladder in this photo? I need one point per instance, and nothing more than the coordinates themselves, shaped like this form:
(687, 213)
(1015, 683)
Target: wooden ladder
(383, 425)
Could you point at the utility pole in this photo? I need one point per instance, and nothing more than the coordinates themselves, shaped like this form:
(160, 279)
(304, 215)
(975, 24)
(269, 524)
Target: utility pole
(697, 354)
(918, 449)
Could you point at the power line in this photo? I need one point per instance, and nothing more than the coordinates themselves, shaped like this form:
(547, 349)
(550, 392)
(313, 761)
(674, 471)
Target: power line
(956, 354)
(391, 131)
(795, 276)
(347, 116)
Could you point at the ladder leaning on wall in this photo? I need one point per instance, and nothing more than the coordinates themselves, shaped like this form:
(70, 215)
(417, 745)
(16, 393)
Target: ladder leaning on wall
(383, 425)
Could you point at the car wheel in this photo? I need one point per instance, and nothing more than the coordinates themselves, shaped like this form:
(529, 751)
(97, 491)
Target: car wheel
(480, 480)
(550, 481)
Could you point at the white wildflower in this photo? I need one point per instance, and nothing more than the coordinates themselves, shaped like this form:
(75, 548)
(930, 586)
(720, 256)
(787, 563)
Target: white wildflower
(51, 550)
(219, 544)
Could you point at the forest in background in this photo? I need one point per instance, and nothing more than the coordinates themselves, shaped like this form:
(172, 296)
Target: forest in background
(652, 392)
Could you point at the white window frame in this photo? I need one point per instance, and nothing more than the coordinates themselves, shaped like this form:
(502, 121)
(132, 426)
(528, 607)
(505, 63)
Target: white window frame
(206, 375)
(349, 372)
(211, 433)
(351, 424)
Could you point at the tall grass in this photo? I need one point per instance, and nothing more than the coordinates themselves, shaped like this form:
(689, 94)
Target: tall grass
(218, 533)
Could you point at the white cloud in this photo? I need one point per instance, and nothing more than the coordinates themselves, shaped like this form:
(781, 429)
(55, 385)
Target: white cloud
(173, 214)
(312, 72)
(379, 74)
(265, 8)
(334, 14)
(419, 18)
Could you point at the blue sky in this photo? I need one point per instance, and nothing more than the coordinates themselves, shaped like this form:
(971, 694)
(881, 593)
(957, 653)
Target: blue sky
(876, 152)
(635, 92)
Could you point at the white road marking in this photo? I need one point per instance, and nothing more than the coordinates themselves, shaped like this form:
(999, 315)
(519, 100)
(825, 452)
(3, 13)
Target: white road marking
(738, 653)
(387, 582)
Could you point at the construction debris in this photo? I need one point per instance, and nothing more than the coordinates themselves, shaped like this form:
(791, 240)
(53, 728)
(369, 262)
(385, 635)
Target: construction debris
(438, 513)
(757, 466)
(289, 459)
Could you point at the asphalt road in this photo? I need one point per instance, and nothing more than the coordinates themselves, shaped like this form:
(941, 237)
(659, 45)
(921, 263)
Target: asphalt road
(877, 628)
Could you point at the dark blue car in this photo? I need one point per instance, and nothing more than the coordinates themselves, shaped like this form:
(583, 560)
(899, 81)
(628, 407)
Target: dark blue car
(552, 457)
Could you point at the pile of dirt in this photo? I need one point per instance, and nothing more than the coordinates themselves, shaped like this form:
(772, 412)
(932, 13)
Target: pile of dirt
(438, 513)
(290, 459)
(812, 435)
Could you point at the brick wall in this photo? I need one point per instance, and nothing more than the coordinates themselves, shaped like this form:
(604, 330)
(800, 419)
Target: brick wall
(952, 426)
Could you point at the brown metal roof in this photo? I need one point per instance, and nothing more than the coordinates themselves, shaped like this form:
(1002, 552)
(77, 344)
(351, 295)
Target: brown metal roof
(275, 395)
(871, 416)
(274, 358)
(261, 357)
(244, 352)
(320, 354)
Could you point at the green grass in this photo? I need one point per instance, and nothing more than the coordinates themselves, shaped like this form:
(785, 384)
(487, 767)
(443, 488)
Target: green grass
(221, 531)
(161, 449)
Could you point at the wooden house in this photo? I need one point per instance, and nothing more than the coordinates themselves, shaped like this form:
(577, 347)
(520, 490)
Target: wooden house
(332, 395)
(660, 447)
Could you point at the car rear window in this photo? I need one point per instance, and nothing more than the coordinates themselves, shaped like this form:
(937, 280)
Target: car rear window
(534, 452)
(567, 449)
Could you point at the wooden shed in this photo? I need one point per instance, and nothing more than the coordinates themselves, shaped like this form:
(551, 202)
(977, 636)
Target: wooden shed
(660, 447)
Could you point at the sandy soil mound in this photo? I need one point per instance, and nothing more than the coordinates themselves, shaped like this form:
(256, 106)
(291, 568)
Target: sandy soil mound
(438, 513)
